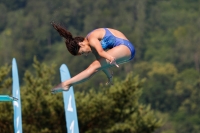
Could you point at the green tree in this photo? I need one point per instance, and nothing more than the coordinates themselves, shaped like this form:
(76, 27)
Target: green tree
(160, 82)
(116, 109)
(42, 112)
(3, 16)
(5, 107)
(187, 90)
(112, 109)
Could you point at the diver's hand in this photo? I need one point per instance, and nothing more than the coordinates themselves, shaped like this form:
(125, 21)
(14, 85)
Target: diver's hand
(113, 61)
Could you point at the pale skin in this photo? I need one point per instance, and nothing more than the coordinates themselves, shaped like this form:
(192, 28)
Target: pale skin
(104, 59)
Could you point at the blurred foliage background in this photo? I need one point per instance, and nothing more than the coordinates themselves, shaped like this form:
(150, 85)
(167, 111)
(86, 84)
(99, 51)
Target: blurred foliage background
(161, 86)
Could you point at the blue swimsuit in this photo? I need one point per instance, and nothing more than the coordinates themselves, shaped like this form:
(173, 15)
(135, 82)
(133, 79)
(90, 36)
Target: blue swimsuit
(109, 41)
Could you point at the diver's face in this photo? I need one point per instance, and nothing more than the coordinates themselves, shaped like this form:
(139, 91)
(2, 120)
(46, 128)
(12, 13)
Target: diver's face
(84, 48)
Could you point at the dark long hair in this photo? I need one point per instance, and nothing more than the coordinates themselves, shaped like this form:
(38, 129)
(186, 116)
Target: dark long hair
(71, 43)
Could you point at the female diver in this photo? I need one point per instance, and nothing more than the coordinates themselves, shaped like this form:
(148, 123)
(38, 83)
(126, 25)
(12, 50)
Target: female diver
(109, 46)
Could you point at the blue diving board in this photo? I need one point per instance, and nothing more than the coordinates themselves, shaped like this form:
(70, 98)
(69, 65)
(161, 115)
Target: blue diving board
(4, 98)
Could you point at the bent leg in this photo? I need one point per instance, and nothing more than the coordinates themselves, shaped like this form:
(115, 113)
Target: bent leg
(121, 53)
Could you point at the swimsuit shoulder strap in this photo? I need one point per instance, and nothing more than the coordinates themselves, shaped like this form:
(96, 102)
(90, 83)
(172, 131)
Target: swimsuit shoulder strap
(108, 33)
